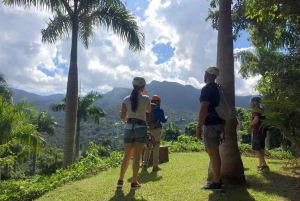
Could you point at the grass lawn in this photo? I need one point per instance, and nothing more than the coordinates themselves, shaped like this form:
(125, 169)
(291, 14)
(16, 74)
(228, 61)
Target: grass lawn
(180, 180)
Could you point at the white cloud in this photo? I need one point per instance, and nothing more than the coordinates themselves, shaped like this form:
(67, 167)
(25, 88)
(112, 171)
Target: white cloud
(42, 68)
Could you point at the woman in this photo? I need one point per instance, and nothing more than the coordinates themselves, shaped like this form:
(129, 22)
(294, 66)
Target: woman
(135, 131)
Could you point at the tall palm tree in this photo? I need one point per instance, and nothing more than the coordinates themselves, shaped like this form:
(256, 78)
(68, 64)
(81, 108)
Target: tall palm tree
(81, 17)
(85, 110)
(232, 166)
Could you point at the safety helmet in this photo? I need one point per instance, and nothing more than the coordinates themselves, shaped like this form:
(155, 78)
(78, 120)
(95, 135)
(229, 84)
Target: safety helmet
(255, 99)
(138, 81)
(155, 98)
(213, 70)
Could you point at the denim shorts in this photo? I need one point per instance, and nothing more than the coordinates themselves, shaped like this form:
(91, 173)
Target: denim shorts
(139, 135)
(212, 134)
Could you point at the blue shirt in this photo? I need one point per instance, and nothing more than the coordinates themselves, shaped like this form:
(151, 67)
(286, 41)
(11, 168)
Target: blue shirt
(160, 115)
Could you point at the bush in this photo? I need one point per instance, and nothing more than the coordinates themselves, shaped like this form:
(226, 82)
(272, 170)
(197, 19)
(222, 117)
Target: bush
(34, 187)
(186, 143)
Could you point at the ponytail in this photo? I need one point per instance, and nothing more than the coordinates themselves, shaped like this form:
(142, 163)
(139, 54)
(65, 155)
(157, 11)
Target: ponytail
(134, 99)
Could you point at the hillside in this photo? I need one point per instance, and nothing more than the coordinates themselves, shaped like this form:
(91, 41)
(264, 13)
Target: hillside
(174, 95)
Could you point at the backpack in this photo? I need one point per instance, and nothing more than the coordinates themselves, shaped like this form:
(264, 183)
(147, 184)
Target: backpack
(151, 120)
(224, 109)
(267, 127)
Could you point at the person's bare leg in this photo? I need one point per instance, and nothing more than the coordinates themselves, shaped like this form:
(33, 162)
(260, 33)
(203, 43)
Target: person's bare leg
(261, 157)
(128, 149)
(215, 160)
(138, 149)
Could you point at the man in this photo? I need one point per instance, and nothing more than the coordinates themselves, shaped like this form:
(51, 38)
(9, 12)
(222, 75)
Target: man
(258, 136)
(212, 125)
(155, 120)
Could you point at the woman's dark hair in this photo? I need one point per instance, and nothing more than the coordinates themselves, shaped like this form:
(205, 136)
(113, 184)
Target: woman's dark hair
(134, 98)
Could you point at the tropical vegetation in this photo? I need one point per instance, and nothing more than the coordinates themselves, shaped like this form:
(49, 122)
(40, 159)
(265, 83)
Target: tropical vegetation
(80, 19)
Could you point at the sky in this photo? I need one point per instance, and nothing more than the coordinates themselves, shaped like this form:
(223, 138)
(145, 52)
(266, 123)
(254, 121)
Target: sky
(179, 46)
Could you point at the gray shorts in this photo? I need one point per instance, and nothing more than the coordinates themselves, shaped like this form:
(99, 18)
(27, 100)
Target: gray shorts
(139, 135)
(212, 134)
(258, 140)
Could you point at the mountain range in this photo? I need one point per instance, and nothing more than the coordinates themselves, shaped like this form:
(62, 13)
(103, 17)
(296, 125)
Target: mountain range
(173, 95)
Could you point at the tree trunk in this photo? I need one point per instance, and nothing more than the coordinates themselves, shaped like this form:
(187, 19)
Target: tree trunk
(34, 163)
(232, 168)
(77, 140)
(71, 96)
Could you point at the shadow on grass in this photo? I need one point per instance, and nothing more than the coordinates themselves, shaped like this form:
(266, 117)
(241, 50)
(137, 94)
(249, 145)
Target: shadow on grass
(278, 184)
(231, 193)
(119, 195)
(145, 176)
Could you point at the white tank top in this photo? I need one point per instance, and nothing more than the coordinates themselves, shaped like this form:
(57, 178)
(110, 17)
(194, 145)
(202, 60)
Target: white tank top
(140, 113)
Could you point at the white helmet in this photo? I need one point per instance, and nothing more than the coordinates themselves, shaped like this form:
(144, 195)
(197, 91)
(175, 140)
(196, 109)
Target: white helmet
(138, 81)
(212, 70)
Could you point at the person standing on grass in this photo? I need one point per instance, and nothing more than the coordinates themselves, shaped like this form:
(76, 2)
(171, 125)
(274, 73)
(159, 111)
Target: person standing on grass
(211, 124)
(155, 120)
(134, 108)
(258, 136)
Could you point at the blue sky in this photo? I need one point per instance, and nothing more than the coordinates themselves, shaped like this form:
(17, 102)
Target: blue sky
(180, 45)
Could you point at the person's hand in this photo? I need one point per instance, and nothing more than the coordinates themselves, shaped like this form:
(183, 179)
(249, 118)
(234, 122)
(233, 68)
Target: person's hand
(198, 133)
(166, 117)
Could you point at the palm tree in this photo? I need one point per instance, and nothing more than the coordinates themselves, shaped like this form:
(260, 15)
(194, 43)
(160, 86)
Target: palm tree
(232, 166)
(81, 17)
(85, 110)
(44, 124)
(14, 130)
(5, 91)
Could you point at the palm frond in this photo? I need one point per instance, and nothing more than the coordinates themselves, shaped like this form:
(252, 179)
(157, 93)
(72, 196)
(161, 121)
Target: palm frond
(59, 106)
(122, 23)
(88, 5)
(57, 28)
(86, 24)
(39, 4)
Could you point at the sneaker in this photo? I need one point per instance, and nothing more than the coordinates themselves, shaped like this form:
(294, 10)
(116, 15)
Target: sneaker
(221, 182)
(265, 167)
(135, 185)
(212, 186)
(120, 183)
(156, 168)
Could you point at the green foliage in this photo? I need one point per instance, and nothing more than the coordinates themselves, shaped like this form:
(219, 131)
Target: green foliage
(49, 161)
(170, 133)
(186, 143)
(278, 153)
(190, 129)
(32, 188)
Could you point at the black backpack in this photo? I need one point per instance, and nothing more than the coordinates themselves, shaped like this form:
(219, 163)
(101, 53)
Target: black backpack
(151, 120)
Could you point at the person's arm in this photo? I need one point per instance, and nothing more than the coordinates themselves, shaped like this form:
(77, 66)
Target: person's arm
(148, 109)
(201, 118)
(162, 117)
(254, 121)
(202, 113)
(123, 112)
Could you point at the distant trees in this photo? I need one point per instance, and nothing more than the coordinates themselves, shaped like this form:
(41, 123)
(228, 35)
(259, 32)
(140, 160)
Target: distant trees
(85, 111)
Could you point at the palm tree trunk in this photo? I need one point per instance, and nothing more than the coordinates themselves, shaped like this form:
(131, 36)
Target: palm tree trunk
(232, 167)
(77, 140)
(72, 95)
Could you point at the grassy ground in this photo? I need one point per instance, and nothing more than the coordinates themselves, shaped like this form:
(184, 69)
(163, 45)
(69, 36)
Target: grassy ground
(180, 180)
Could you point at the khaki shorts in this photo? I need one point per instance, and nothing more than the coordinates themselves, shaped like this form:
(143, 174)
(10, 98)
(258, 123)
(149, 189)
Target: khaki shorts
(212, 134)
